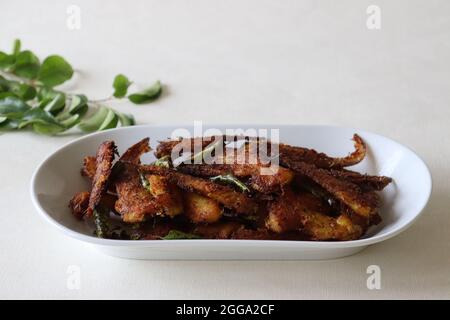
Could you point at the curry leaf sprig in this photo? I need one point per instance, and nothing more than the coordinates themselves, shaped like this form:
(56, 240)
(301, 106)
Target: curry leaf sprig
(28, 98)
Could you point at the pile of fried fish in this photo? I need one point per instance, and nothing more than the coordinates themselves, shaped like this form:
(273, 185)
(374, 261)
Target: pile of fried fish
(308, 196)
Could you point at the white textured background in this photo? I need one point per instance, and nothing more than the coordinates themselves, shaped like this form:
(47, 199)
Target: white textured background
(294, 62)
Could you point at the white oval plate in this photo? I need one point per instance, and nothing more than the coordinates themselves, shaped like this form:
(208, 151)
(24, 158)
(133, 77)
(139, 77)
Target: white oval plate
(58, 178)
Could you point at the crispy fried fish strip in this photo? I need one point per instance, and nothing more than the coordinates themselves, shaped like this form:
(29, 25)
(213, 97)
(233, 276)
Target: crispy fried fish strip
(166, 147)
(271, 182)
(133, 154)
(259, 182)
(104, 159)
(79, 203)
(365, 181)
(89, 167)
(167, 195)
(349, 193)
(200, 209)
(286, 151)
(294, 212)
(321, 160)
(134, 201)
(225, 195)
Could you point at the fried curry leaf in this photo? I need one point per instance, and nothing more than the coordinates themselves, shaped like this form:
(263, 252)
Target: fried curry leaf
(176, 234)
(200, 156)
(147, 95)
(231, 180)
(163, 162)
(144, 182)
(101, 224)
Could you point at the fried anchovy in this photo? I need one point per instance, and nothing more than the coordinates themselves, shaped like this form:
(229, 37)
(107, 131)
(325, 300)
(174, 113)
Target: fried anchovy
(104, 160)
(225, 195)
(135, 202)
(286, 152)
(133, 154)
(266, 183)
(365, 181)
(321, 160)
(347, 192)
(299, 212)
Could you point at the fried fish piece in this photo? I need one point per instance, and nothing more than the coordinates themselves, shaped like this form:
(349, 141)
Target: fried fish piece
(362, 203)
(285, 151)
(166, 194)
(266, 183)
(165, 148)
(364, 181)
(321, 160)
(134, 202)
(133, 154)
(79, 204)
(200, 209)
(162, 193)
(89, 167)
(225, 195)
(294, 212)
(80, 201)
(104, 159)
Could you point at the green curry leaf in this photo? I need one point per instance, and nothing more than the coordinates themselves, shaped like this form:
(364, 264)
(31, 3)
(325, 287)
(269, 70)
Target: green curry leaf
(54, 71)
(148, 95)
(120, 85)
(26, 65)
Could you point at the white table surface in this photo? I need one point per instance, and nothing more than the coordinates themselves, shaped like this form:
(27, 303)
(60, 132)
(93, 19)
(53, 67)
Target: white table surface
(286, 62)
